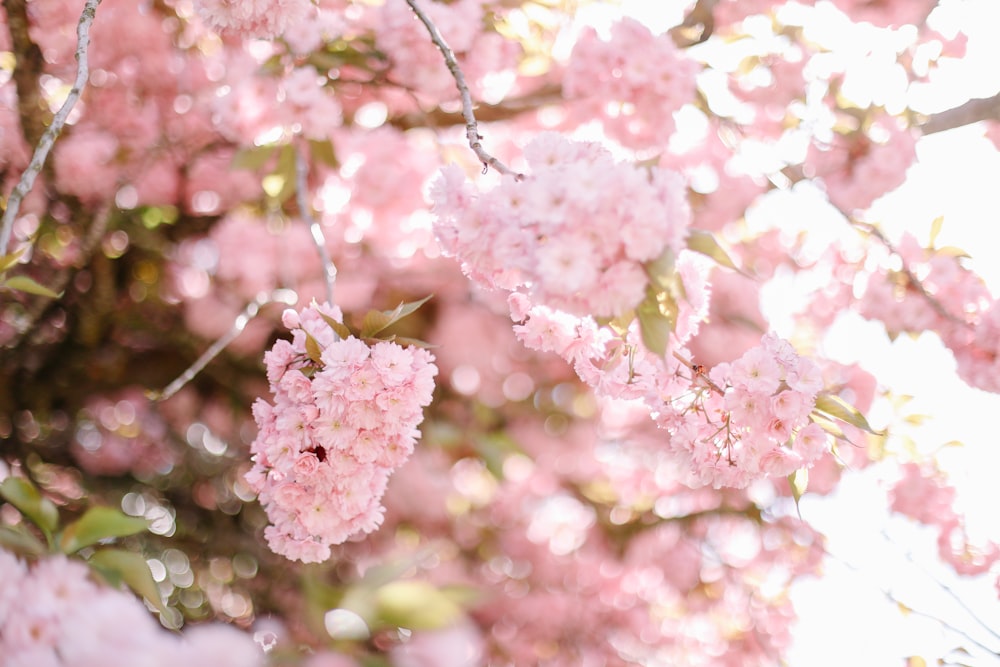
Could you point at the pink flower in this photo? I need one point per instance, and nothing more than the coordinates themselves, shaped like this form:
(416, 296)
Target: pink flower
(338, 428)
(573, 236)
(253, 18)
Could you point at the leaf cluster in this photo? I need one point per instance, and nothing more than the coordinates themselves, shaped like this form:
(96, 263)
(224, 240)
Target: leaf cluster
(87, 537)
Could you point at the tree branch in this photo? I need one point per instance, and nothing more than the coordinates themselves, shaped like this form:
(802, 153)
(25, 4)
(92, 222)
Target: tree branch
(505, 110)
(471, 127)
(48, 137)
(912, 279)
(965, 114)
(279, 295)
(27, 70)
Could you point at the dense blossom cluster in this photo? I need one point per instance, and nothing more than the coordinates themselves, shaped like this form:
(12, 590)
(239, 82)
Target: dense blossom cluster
(253, 18)
(923, 493)
(860, 167)
(69, 619)
(728, 425)
(633, 82)
(344, 417)
(747, 419)
(950, 300)
(575, 235)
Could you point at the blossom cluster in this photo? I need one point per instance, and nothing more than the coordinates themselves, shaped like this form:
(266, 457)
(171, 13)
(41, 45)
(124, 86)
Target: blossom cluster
(633, 82)
(949, 299)
(747, 419)
(728, 426)
(253, 18)
(344, 417)
(860, 167)
(923, 494)
(73, 620)
(575, 235)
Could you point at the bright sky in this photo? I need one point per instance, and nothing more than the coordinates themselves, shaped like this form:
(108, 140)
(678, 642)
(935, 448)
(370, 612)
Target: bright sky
(845, 618)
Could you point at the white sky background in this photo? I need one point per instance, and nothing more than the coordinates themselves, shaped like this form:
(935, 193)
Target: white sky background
(845, 617)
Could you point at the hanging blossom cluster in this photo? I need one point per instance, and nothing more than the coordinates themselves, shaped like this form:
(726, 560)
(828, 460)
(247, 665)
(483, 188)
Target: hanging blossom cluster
(582, 240)
(575, 235)
(727, 426)
(747, 419)
(73, 620)
(253, 18)
(344, 417)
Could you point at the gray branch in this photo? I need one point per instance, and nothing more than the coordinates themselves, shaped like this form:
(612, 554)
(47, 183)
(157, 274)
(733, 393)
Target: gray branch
(24, 186)
(965, 114)
(471, 127)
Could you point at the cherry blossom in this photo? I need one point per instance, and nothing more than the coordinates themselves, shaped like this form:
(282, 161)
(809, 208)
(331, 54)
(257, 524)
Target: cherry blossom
(344, 418)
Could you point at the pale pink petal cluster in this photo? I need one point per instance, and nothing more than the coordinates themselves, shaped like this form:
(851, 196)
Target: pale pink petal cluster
(923, 493)
(727, 426)
(72, 620)
(887, 13)
(860, 167)
(252, 18)
(575, 235)
(967, 317)
(748, 419)
(344, 417)
(633, 82)
(416, 61)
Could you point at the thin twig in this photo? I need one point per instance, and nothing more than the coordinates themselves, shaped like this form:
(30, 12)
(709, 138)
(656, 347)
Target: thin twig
(943, 586)
(965, 114)
(471, 127)
(889, 595)
(286, 296)
(315, 229)
(24, 186)
(699, 372)
(913, 280)
(507, 109)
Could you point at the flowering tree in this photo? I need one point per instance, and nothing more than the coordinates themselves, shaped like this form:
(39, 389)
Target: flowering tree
(431, 333)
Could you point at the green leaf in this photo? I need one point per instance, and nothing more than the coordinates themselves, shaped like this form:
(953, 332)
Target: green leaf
(99, 523)
(415, 342)
(23, 495)
(404, 309)
(835, 406)
(378, 320)
(416, 605)
(322, 151)
(662, 271)
(706, 244)
(935, 229)
(798, 480)
(117, 566)
(20, 541)
(828, 425)
(313, 350)
(952, 251)
(253, 158)
(26, 284)
(374, 322)
(655, 327)
(339, 328)
(10, 259)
